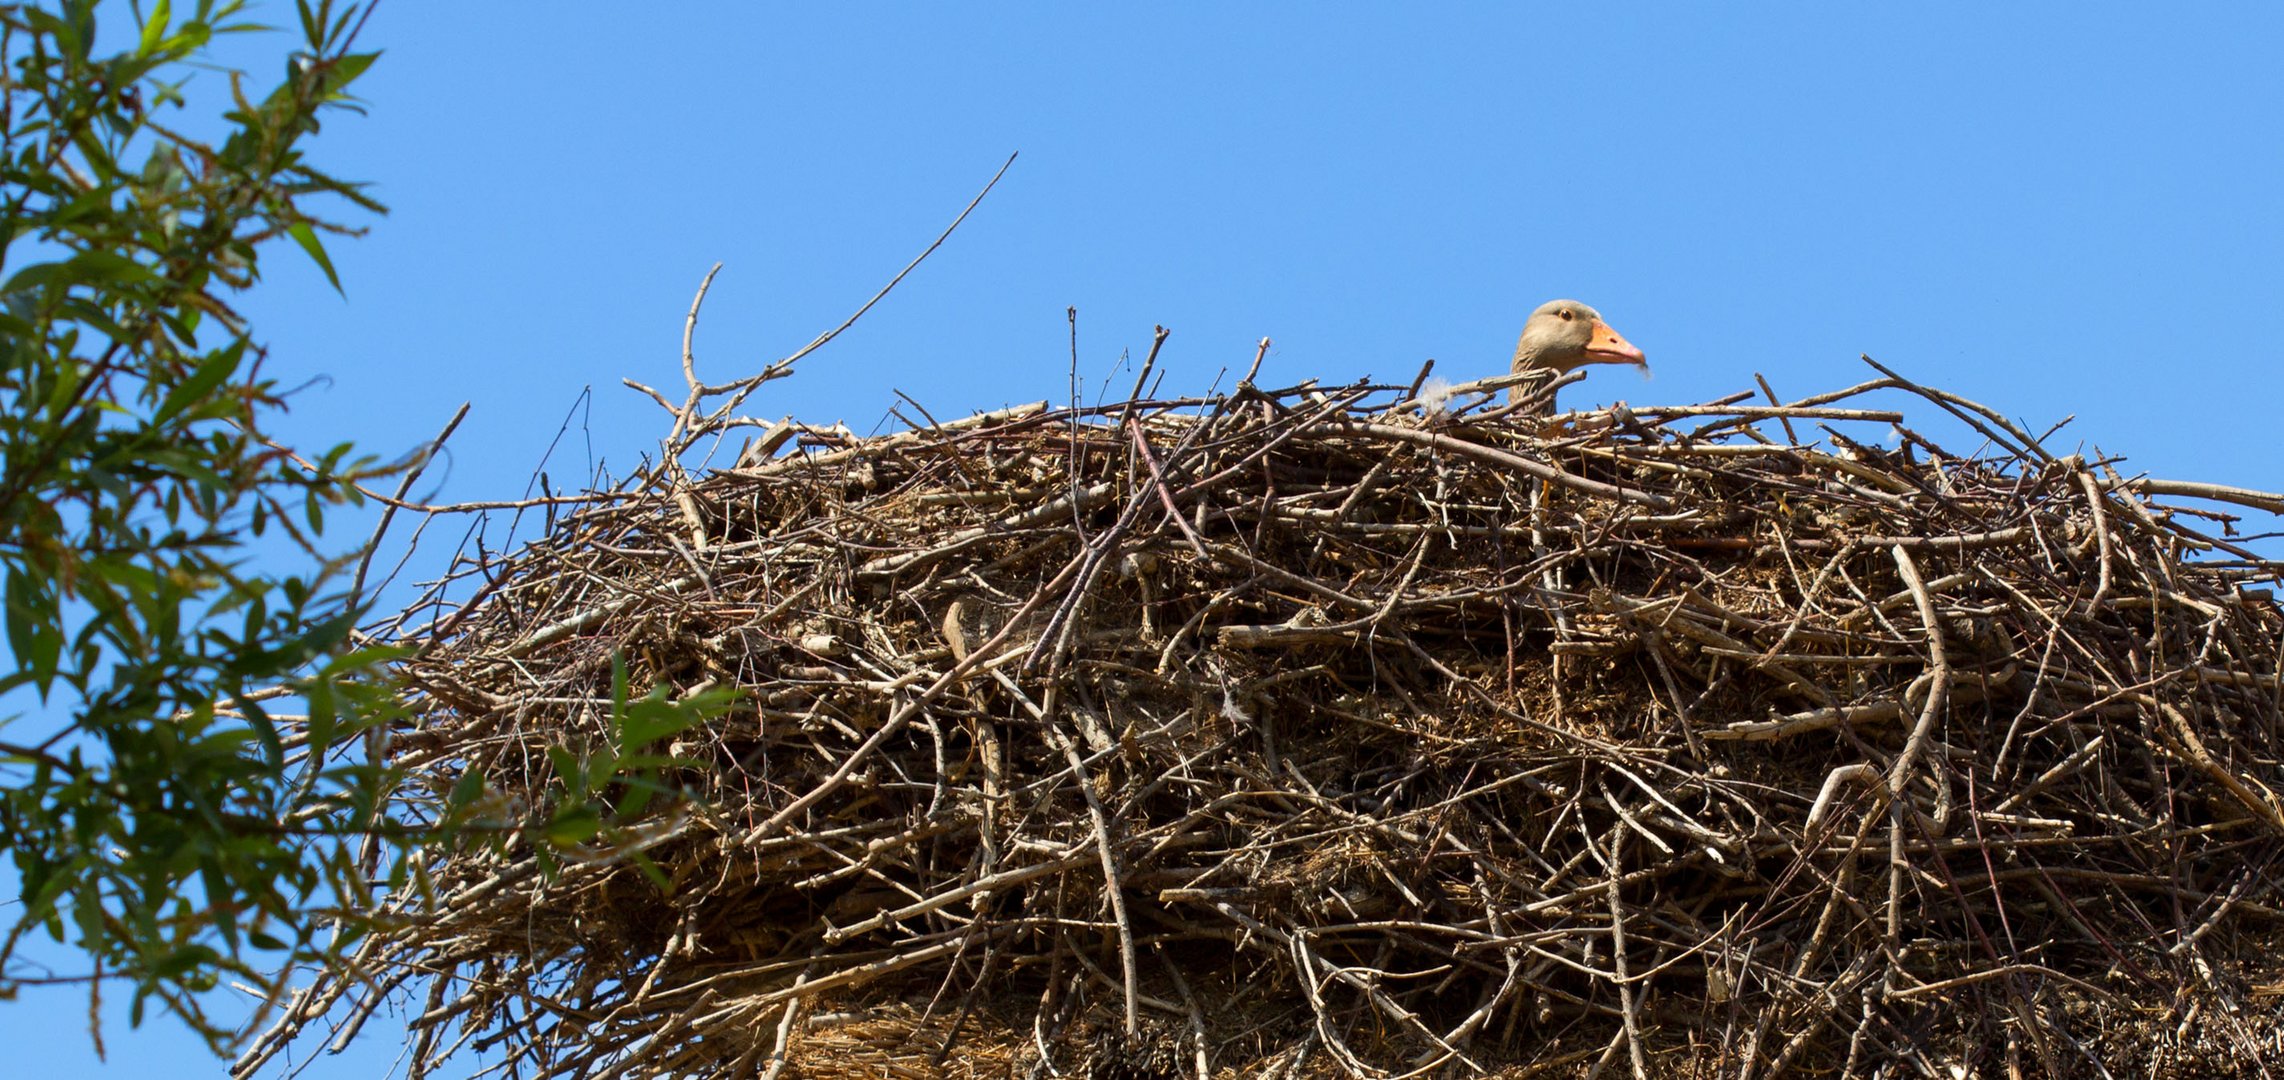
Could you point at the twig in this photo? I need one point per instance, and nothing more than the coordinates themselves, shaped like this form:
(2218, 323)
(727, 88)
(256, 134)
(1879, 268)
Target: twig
(835, 332)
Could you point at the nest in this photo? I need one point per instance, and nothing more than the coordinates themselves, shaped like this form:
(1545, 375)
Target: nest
(1332, 731)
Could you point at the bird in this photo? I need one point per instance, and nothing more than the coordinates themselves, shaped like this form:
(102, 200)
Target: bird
(1565, 334)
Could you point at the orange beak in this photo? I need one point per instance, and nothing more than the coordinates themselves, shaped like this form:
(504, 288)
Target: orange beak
(1606, 347)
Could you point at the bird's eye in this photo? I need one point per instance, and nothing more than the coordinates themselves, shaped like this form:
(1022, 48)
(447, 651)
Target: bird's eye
(1566, 316)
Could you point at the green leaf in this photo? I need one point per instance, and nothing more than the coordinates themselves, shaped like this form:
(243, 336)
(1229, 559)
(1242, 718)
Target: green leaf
(648, 721)
(574, 825)
(466, 790)
(226, 740)
(650, 870)
(109, 268)
(155, 27)
(570, 770)
(184, 959)
(202, 381)
(36, 276)
(323, 713)
(307, 237)
(47, 653)
(636, 800)
(346, 69)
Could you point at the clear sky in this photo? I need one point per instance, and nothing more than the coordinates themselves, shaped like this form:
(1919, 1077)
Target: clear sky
(2054, 209)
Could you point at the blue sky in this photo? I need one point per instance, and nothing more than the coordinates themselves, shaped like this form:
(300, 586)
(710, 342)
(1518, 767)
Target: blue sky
(2051, 217)
(2053, 209)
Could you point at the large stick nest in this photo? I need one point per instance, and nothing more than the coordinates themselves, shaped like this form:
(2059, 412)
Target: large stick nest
(1315, 733)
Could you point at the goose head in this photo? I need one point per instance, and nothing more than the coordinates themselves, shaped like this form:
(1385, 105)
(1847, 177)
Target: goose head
(1565, 334)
